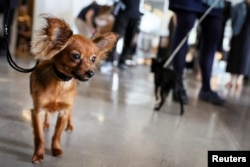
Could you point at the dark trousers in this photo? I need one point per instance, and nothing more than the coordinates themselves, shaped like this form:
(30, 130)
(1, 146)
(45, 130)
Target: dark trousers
(225, 17)
(210, 33)
(126, 27)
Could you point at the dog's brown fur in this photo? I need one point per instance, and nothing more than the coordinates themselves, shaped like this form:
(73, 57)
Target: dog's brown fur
(72, 55)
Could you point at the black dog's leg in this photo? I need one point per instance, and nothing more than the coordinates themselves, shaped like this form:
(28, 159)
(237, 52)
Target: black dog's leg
(163, 95)
(157, 83)
(156, 92)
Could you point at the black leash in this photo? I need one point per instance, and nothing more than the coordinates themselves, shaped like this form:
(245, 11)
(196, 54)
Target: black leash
(9, 57)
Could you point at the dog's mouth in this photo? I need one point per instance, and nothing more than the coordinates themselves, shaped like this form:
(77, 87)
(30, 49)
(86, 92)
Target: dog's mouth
(82, 78)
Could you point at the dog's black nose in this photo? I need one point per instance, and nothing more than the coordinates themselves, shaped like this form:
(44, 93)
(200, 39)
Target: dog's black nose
(90, 74)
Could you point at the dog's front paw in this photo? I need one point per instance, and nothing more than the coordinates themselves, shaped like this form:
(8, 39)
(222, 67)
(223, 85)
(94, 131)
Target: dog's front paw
(57, 152)
(157, 107)
(37, 157)
(38, 154)
(69, 128)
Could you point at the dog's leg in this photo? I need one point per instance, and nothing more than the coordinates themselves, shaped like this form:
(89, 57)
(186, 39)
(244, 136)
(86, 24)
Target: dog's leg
(70, 122)
(157, 86)
(46, 123)
(156, 92)
(163, 97)
(38, 136)
(56, 140)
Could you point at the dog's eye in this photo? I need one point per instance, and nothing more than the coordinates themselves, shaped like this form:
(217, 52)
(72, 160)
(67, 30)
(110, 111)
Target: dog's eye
(76, 56)
(93, 59)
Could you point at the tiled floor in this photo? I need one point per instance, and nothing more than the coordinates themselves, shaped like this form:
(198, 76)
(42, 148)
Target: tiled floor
(115, 125)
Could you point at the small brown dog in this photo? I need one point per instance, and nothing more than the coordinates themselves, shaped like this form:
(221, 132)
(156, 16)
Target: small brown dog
(64, 58)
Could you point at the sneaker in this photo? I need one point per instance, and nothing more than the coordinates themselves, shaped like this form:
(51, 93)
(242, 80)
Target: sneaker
(183, 94)
(212, 97)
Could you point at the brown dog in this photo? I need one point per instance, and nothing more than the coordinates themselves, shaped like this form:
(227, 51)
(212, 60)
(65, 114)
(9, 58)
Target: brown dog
(64, 59)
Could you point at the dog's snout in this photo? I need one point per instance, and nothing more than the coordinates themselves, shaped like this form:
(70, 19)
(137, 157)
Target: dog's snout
(90, 74)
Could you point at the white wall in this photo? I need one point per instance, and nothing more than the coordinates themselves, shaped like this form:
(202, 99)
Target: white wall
(66, 9)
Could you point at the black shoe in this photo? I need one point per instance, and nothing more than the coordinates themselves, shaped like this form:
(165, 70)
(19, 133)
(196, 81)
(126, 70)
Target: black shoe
(183, 95)
(212, 97)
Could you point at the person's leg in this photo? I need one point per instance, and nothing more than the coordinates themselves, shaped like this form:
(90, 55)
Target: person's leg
(239, 82)
(131, 29)
(8, 16)
(210, 34)
(185, 22)
(225, 17)
(119, 28)
(233, 78)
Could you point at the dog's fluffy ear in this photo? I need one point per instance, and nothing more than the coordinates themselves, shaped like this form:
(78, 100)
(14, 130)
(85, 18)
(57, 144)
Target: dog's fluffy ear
(105, 43)
(51, 39)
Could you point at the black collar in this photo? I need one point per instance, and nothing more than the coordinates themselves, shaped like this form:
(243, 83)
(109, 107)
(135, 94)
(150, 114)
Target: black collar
(60, 75)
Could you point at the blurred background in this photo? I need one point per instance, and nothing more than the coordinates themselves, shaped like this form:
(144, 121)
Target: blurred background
(154, 24)
(114, 119)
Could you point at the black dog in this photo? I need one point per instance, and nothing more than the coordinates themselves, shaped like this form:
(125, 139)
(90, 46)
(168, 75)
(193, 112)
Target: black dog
(165, 79)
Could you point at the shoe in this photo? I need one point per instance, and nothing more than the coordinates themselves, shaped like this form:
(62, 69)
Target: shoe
(183, 95)
(212, 97)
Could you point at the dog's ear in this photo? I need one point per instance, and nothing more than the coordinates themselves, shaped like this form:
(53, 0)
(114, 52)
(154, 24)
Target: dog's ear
(51, 39)
(105, 43)
(58, 32)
